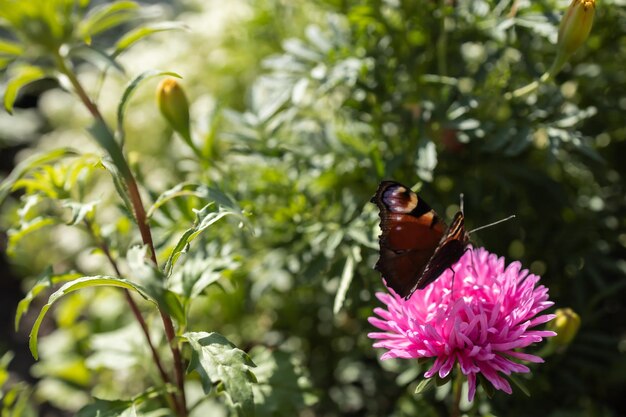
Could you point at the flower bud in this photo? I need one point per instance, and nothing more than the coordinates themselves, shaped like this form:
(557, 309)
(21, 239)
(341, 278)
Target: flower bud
(174, 106)
(573, 31)
(576, 25)
(566, 326)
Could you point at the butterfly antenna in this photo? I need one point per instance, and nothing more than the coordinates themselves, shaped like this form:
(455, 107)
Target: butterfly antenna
(490, 224)
(461, 203)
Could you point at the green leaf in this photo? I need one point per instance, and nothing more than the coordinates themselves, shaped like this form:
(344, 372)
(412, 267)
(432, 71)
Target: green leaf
(218, 361)
(120, 185)
(107, 16)
(139, 33)
(200, 271)
(152, 281)
(424, 385)
(16, 401)
(100, 131)
(10, 48)
(25, 228)
(205, 217)
(99, 58)
(75, 285)
(79, 210)
(128, 92)
(193, 189)
(21, 77)
(46, 280)
(106, 408)
(346, 278)
(5, 360)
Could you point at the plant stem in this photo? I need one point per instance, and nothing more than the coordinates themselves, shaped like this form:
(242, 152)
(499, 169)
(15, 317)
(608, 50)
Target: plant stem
(528, 88)
(135, 309)
(457, 388)
(144, 228)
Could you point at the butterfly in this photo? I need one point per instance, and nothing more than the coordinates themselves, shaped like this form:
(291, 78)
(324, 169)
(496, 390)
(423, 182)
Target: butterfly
(416, 246)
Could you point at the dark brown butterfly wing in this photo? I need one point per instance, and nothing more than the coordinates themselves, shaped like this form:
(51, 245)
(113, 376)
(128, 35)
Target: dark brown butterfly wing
(411, 233)
(447, 253)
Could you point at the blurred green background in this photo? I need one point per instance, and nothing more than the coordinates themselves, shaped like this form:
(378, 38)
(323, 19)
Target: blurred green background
(305, 106)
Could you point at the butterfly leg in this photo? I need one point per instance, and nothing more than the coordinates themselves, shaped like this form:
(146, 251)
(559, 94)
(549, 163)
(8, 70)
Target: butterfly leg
(452, 286)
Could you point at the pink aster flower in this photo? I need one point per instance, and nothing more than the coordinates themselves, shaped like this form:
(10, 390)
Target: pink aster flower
(482, 323)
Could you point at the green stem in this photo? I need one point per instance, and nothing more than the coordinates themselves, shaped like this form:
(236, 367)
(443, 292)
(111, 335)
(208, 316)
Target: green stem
(457, 388)
(529, 88)
(140, 215)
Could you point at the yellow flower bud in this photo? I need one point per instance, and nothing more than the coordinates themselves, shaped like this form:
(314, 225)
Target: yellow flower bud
(576, 25)
(174, 106)
(566, 325)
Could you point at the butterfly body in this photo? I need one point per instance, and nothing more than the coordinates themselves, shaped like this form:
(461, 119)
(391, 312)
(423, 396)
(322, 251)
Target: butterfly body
(416, 247)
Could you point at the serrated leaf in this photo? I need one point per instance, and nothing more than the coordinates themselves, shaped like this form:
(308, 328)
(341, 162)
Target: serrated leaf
(218, 361)
(21, 77)
(107, 16)
(75, 285)
(205, 217)
(424, 385)
(139, 33)
(128, 92)
(200, 271)
(46, 280)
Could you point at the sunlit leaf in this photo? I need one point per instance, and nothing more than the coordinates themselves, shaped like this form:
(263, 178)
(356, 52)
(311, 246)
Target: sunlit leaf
(144, 272)
(205, 217)
(219, 362)
(107, 16)
(79, 210)
(75, 285)
(30, 163)
(21, 77)
(46, 280)
(10, 48)
(139, 33)
(26, 228)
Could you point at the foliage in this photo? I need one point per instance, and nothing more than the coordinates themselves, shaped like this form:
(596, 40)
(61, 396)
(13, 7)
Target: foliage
(262, 237)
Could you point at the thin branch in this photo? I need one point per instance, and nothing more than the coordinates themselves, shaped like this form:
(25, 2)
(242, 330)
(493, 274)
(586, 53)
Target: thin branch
(146, 235)
(102, 244)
